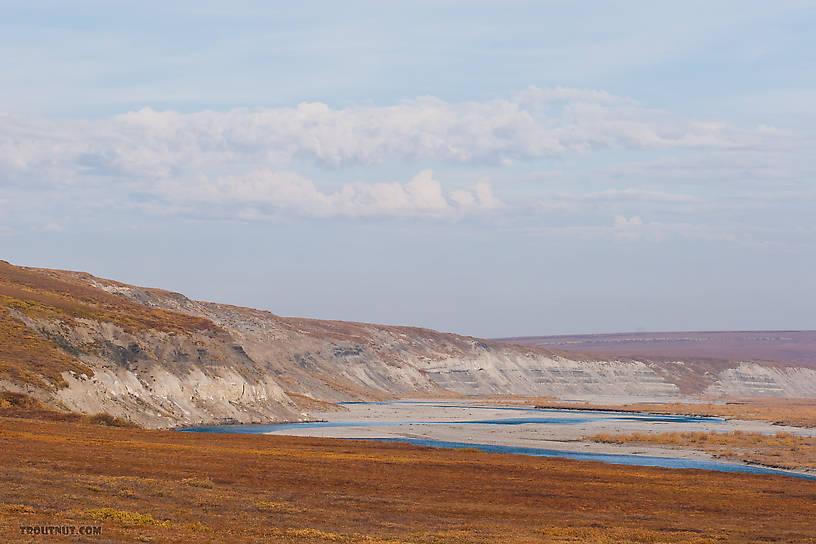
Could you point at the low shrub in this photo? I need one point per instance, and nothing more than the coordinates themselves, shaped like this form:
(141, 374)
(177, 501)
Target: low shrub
(124, 517)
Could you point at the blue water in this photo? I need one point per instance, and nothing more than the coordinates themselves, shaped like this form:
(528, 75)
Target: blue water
(550, 419)
(612, 458)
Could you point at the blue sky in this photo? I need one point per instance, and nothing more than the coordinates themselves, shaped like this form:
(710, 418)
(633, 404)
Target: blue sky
(489, 168)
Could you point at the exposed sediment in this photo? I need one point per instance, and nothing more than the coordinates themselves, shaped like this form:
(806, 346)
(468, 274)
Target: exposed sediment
(220, 363)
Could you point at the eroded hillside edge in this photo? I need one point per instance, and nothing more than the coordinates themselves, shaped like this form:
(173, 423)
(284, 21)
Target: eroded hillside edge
(159, 359)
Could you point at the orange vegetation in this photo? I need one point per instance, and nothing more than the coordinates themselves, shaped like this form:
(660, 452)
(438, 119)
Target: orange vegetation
(782, 411)
(28, 356)
(58, 295)
(307, 403)
(163, 486)
(19, 405)
(782, 450)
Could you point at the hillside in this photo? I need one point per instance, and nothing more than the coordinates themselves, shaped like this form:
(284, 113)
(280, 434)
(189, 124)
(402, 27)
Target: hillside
(157, 358)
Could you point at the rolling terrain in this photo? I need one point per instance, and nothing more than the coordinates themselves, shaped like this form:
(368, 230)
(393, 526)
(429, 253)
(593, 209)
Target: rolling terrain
(85, 362)
(140, 485)
(159, 359)
(797, 347)
(732, 363)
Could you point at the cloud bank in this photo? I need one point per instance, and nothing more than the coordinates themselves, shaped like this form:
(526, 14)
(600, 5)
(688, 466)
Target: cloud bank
(248, 163)
(266, 193)
(534, 124)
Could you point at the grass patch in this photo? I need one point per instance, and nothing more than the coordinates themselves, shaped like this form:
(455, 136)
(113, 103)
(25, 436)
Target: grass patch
(277, 506)
(17, 509)
(297, 489)
(203, 483)
(61, 295)
(27, 357)
(108, 421)
(781, 411)
(305, 402)
(124, 517)
(783, 450)
(615, 535)
(19, 405)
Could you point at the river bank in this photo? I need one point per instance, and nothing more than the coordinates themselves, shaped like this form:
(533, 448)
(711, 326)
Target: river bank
(174, 487)
(513, 427)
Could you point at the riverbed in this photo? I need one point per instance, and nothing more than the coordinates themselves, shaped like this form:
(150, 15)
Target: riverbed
(520, 429)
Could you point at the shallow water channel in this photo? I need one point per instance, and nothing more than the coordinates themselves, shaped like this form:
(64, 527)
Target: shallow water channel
(518, 430)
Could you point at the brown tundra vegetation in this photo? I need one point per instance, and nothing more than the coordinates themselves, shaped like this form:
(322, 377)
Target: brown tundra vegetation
(164, 486)
(782, 450)
(782, 411)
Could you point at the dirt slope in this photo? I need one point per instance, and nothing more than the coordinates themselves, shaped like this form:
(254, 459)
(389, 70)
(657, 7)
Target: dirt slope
(160, 359)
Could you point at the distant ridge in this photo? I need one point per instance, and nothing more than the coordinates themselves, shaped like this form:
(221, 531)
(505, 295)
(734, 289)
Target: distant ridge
(787, 346)
(73, 341)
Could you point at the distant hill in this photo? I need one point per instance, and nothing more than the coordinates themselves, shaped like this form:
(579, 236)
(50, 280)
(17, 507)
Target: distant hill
(72, 341)
(797, 347)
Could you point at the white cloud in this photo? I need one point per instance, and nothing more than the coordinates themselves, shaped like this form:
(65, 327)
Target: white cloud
(622, 222)
(533, 124)
(263, 193)
(627, 227)
(245, 162)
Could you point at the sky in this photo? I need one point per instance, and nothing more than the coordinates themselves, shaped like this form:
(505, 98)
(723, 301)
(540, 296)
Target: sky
(486, 168)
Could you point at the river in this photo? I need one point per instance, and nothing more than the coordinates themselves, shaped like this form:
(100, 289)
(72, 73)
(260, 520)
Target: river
(519, 430)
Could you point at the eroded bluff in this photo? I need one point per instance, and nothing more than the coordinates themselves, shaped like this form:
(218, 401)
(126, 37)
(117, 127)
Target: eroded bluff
(219, 363)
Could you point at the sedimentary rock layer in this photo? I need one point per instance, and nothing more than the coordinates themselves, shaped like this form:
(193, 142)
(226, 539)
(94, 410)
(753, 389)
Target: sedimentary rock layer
(161, 359)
